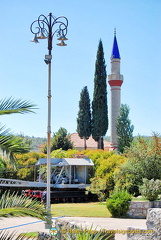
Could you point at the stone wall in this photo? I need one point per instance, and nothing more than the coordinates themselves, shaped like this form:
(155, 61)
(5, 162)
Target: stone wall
(153, 224)
(139, 209)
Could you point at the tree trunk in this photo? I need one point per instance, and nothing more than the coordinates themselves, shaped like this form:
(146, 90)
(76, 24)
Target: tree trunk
(100, 143)
(85, 144)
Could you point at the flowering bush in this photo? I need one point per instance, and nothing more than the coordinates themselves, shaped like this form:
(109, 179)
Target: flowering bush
(150, 189)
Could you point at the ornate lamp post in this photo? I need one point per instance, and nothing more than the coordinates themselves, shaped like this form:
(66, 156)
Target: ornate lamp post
(47, 28)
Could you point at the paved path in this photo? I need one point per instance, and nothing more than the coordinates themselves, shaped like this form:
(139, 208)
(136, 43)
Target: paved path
(100, 223)
(110, 223)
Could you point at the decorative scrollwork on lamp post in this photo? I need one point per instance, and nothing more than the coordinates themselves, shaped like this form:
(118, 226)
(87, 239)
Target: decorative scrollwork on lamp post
(46, 28)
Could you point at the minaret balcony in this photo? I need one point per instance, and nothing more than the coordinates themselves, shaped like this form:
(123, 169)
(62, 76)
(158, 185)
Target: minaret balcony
(116, 82)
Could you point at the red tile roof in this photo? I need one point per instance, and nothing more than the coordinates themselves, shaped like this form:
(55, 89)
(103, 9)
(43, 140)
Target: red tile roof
(91, 143)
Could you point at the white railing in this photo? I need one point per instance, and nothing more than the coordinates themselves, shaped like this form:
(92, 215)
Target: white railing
(4, 182)
(19, 183)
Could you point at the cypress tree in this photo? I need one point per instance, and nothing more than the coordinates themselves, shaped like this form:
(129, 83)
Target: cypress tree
(99, 104)
(124, 129)
(84, 116)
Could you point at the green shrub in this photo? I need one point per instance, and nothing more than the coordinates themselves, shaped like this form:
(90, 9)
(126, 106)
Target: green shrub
(150, 189)
(118, 203)
(98, 187)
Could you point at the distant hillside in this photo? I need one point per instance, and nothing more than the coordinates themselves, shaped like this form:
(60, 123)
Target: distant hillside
(107, 138)
(35, 141)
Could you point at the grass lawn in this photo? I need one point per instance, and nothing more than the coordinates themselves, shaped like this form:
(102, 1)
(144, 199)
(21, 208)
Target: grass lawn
(92, 209)
(138, 199)
(30, 234)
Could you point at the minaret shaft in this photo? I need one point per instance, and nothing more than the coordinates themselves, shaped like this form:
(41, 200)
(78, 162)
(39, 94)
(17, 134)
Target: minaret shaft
(115, 111)
(115, 80)
(115, 66)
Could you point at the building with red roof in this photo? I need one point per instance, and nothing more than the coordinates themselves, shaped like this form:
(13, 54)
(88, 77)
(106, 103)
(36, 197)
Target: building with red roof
(91, 143)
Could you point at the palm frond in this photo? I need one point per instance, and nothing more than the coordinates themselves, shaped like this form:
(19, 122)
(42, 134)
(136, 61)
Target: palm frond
(11, 105)
(5, 135)
(14, 205)
(10, 145)
(16, 145)
(6, 235)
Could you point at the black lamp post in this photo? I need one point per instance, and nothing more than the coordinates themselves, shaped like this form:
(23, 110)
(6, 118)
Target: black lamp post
(47, 28)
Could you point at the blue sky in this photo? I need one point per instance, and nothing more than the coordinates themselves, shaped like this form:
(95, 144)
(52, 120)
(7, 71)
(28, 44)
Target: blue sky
(23, 73)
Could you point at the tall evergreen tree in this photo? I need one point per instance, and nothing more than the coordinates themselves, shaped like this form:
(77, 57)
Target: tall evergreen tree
(84, 116)
(124, 129)
(99, 104)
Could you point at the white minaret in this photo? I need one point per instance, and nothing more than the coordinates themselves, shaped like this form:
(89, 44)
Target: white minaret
(115, 80)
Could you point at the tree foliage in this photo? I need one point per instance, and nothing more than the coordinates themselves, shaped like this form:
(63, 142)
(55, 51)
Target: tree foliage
(99, 103)
(13, 146)
(107, 168)
(84, 116)
(98, 187)
(33, 141)
(144, 161)
(24, 167)
(2, 167)
(60, 140)
(124, 128)
(105, 164)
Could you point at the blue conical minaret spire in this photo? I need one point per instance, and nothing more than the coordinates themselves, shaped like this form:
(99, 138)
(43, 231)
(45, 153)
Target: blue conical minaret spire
(115, 49)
